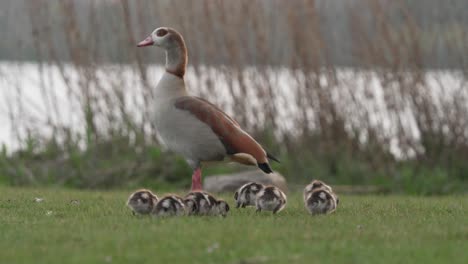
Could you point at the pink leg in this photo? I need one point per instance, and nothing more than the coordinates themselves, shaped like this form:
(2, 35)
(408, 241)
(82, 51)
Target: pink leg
(196, 180)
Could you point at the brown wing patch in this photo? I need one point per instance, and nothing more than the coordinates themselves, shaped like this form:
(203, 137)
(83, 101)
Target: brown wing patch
(234, 139)
(219, 110)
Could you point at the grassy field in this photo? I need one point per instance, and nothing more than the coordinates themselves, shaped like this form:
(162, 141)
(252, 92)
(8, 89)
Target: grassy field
(100, 229)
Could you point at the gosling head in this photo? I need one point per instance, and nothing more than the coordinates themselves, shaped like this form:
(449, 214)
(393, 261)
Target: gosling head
(221, 208)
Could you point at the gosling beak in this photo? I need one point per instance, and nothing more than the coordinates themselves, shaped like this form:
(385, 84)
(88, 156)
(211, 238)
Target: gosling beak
(146, 42)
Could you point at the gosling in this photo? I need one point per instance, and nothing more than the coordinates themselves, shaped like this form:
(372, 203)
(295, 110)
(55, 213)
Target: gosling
(270, 198)
(246, 195)
(320, 201)
(169, 205)
(202, 204)
(316, 184)
(142, 202)
(218, 206)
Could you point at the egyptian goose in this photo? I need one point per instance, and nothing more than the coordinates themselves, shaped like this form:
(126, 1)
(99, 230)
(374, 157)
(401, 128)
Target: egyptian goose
(191, 126)
(142, 201)
(270, 198)
(246, 195)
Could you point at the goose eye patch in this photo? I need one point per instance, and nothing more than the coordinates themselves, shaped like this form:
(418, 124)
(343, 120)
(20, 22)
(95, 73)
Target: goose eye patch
(161, 32)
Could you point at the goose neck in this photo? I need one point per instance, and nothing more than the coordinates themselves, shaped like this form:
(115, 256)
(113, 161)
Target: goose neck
(176, 60)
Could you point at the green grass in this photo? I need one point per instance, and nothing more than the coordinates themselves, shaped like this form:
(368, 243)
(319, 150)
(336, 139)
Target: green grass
(100, 229)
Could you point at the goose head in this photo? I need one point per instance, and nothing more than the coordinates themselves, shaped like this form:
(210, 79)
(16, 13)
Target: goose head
(163, 37)
(173, 43)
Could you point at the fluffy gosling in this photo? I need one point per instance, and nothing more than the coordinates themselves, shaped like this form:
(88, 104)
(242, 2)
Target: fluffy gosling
(202, 204)
(218, 206)
(320, 201)
(315, 184)
(169, 205)
(142, 202)
(270, 198)
(246, 195)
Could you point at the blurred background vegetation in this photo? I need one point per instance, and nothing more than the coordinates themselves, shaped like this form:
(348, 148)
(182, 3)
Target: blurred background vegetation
(378, 89)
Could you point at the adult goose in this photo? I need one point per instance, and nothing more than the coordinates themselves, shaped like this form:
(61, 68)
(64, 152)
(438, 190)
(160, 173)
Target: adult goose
(191, 126)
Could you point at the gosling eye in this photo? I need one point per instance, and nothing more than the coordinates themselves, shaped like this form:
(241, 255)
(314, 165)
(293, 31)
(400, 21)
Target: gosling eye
(161, 32)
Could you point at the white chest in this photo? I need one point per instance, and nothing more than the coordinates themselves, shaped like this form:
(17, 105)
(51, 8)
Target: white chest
(181, 131)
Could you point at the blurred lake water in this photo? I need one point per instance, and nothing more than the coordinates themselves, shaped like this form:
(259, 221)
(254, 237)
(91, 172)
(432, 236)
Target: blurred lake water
(34, 97)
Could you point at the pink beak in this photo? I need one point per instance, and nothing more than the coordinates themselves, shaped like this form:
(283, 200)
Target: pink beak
(146, 42)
